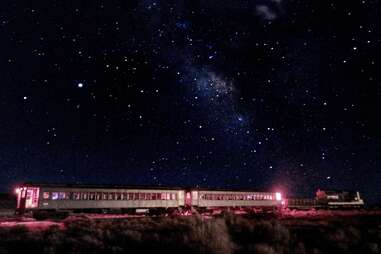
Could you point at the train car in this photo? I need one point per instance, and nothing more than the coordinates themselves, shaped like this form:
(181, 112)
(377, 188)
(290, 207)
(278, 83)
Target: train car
(48, 197)
(303, 204)
(228, 199)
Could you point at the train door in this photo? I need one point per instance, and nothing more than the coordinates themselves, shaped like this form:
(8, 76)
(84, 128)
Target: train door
(21, 197)
(188, 199)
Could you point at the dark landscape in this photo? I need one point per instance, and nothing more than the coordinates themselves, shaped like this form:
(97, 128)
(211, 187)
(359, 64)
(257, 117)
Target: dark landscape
(225, 234)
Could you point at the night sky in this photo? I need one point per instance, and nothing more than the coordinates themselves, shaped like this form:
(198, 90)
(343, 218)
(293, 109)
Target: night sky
(263, 94)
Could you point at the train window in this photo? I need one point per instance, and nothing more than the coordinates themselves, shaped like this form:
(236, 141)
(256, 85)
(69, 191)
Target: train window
(173, 196)
(111, 196)
(130, 196)
(104, 196)
(46, 195)
(141, 196)
(92, 196)
(98, 196)
(54, 195)
(61, 195)
(76, 195)
(84, 196)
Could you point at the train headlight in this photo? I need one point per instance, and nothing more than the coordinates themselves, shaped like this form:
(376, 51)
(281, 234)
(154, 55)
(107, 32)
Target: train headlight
(278, 196)
(17, 190)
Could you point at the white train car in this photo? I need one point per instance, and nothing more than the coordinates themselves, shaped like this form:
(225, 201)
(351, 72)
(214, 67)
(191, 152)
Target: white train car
(221, 199)
(33, 197)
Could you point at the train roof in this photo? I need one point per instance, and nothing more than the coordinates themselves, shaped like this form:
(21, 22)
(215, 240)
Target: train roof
(111, 186)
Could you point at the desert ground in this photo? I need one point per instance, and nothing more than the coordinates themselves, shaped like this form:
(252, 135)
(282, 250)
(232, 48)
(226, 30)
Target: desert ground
(292, 232)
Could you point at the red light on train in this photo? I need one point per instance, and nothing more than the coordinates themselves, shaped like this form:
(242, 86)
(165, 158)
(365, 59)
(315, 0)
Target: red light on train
(278, 196)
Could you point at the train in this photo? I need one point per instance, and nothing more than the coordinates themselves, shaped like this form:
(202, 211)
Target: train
(40, 199)
(37, 198)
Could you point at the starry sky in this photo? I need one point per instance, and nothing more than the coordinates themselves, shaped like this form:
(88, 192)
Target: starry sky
(263, 94)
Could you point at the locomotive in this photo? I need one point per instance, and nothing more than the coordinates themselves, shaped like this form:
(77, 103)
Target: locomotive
(328, 199)
(35, 198)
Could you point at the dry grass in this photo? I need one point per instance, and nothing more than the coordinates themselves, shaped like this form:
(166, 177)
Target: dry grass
(225, 235)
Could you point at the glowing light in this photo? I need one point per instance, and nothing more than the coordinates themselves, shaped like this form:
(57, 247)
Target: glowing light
(278, 196)
(17, 190)
(80, 85)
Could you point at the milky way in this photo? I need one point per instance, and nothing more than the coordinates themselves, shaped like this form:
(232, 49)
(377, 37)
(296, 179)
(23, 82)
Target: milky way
(234, 94)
